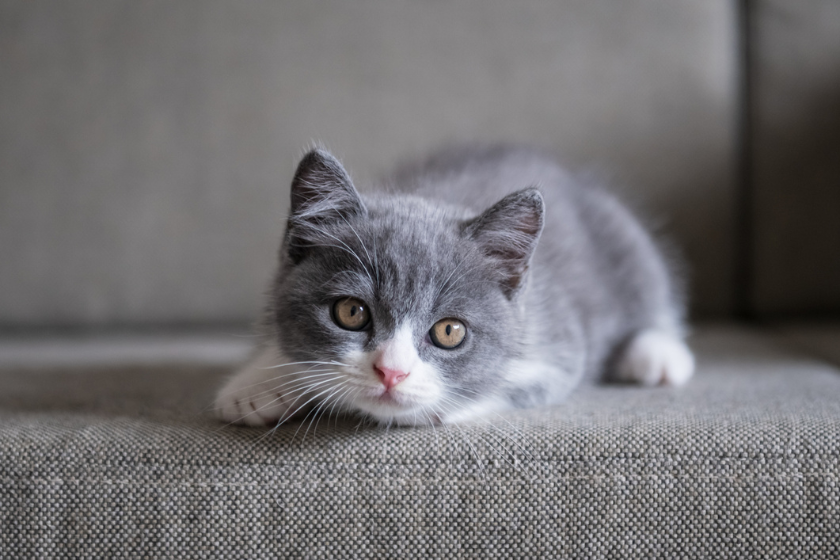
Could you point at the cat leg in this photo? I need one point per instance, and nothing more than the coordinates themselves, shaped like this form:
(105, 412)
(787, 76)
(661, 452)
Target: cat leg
(654, 357)
(255, 395)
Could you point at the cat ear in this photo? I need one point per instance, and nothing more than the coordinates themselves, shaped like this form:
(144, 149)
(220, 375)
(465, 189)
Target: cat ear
(508, 233)
(322, 194)
(322, 189)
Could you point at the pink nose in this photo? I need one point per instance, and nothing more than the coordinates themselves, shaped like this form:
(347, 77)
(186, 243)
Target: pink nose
(389, 377)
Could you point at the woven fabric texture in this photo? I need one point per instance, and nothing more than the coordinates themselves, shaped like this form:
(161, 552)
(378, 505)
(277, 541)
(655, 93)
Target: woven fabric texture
(128, 462)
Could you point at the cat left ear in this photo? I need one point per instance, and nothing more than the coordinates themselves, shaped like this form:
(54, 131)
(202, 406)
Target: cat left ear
(322, 194)
(322, 189)
(508, 233)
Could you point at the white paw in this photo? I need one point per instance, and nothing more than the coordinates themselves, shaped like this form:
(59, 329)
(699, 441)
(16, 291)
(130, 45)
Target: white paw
(243, 405)
(254, 396)
(656, 357)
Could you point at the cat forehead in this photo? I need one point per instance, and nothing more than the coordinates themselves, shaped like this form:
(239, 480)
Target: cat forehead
(401, 267)
(416, 208)
(415, 220)
(403, 276)
(404, 233)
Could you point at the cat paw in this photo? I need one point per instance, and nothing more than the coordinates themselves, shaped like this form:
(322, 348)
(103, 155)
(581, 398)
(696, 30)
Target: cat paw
(250, 406)
(251, 397)
(655, 357)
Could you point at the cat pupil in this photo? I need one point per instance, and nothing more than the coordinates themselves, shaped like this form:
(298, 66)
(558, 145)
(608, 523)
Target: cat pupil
(448, 330)
(353, 311)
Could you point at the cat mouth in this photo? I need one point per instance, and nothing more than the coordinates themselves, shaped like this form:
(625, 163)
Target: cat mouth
(387, 397)
(391, 399)
(389, 406)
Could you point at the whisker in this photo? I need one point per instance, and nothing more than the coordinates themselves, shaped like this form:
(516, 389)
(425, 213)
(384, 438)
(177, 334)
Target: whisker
(448, 434)
(334, 397)
(332, 363)
(268, 433)
(362, 244)
(478, 460)
(317, 409)
(518, 433)
(320, 372)
(375, 261)
(303, 405)
(330, 390)
(347, 247)
(503, 450)
(502, 440)
(281, 421)
(500, 416)
(276, 390)
(434, 430)
(303, 391)
(337, 401)
(296, 380)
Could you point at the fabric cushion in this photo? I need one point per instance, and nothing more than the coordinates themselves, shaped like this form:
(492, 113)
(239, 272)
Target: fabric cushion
(741, 463)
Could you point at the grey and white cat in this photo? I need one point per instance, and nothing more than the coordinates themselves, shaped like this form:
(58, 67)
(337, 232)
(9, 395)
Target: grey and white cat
(480, 280)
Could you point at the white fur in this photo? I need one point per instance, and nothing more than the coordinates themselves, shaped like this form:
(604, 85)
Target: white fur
(415, 396)
(399, 353)
(656, 357)
(262, 394)
(522, 372)
(248, 398)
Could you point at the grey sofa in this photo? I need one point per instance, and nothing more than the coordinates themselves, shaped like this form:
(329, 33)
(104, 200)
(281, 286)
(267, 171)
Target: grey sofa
(145, 151)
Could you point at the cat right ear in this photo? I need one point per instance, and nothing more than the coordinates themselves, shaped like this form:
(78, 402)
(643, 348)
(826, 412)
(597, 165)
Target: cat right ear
(322, 194)
(508, 232)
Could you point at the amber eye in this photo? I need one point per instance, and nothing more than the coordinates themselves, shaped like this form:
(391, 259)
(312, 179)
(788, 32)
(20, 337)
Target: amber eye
(448, 333)
(351, 314)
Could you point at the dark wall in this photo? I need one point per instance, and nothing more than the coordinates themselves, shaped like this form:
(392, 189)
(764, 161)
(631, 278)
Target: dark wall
(795, 158)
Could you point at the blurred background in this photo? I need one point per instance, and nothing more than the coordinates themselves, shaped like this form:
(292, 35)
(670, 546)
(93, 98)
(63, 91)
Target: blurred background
(146, 147)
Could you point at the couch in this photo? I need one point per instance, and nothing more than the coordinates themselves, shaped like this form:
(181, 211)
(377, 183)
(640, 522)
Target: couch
(145, 155)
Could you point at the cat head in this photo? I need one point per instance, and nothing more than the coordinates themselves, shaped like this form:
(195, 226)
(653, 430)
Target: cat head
(411, 307)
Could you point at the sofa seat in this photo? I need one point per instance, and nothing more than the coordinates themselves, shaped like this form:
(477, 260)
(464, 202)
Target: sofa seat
(127, 461)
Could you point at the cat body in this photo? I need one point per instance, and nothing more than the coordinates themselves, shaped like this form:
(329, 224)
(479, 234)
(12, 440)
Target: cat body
(477, 281)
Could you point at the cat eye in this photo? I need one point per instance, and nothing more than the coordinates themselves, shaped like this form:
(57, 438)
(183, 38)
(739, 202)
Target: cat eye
(351, 314)
(448, 333)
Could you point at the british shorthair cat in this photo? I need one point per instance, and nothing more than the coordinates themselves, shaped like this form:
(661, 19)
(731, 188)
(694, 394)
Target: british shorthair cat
(477, 281)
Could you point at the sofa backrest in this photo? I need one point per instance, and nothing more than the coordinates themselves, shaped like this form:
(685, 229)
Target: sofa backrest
(146, 148)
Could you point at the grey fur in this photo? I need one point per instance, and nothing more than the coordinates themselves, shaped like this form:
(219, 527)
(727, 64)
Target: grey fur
(540, 267)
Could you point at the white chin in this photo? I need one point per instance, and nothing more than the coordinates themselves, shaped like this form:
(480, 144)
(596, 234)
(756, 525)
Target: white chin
(394, 412)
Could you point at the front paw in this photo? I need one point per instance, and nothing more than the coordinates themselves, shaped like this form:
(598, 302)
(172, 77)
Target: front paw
(256, 395)
(255, 405)
(654, 357)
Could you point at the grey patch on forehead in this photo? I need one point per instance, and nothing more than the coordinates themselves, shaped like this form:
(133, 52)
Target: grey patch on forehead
(417, 246)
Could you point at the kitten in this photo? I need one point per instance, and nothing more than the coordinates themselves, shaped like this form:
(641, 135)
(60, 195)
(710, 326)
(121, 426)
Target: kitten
(478, 281)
